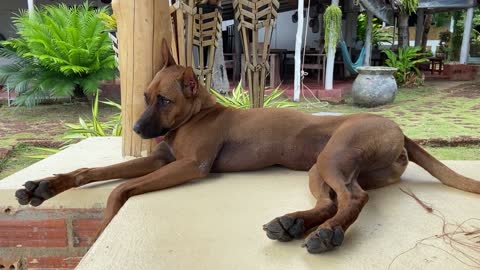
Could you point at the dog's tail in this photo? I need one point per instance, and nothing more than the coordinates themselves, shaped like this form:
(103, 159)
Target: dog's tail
(439, 170)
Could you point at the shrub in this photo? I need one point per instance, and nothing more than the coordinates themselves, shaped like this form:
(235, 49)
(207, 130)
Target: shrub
(405, 61)
(94, 127)
(59, 51)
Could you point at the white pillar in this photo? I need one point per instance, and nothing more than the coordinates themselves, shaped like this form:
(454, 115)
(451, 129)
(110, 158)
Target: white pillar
(330, 60)
(31, 6)
(298, 49)
(452, 24)
(419, 27)
(466, 36)
(368, 39)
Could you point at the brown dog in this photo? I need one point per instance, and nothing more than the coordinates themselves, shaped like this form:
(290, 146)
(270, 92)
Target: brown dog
(344, 156)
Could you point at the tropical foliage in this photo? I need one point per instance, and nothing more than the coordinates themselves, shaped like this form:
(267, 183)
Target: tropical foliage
(405, 61)
(409, 6)
(108, 20)
(59, 51)
(241, 100)
(379, 35)
(94, 127)
(43, 152)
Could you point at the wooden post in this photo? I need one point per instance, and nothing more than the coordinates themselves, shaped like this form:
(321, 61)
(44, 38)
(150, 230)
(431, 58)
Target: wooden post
(464, 52)
(368, 39)
(237, 70)
(298, 49)
(330, 61)
(141, 29)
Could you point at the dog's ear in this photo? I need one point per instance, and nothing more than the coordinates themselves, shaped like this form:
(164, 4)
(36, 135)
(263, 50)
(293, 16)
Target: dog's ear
(190, 83)
(167, 55)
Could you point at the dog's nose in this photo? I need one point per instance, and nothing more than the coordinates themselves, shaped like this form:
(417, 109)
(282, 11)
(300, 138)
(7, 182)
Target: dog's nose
(137, 128)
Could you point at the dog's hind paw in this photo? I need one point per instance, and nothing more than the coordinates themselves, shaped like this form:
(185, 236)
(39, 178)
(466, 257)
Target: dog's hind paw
(324, 239)
(285, 228)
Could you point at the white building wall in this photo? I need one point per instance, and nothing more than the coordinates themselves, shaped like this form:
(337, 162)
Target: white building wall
(9, 8)
(283, 36)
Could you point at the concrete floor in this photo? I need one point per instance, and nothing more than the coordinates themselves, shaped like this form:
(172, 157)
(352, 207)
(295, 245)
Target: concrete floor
(217, 223)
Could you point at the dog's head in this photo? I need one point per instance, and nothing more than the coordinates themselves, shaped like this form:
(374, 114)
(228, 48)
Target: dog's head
(173, 96)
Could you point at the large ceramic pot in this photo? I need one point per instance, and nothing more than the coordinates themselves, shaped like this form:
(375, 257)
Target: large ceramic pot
(374, 86)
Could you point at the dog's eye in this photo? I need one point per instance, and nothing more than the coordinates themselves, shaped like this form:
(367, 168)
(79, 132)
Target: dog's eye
(163, 101)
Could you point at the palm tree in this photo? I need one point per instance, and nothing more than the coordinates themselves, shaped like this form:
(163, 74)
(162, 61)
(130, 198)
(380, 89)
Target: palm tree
(405, 8)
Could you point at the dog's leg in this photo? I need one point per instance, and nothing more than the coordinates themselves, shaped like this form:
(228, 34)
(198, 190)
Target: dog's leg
(173, 174)
(294, 225)
(35, 192)
(351, 198)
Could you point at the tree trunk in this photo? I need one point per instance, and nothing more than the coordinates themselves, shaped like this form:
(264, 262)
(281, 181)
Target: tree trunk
(403, 34)
(426, 30)
(219, 76)
(78, 94)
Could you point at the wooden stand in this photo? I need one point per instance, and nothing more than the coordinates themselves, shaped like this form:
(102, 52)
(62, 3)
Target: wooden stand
(196, 27)
(141, 28)
(252, 16)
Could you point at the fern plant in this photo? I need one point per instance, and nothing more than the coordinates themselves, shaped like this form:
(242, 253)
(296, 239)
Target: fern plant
(59, 51)
(240, 99)
(405, 61)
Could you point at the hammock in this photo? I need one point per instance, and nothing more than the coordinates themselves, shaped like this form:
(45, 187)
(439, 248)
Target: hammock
(352, 67)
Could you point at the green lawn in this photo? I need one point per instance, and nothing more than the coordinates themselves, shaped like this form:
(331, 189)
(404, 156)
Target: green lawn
(42, 125)
(425, 112)
(22, 157)
(455, 153)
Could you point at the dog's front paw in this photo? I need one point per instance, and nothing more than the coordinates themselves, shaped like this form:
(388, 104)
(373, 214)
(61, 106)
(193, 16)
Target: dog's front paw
(324, 239)
(36, 192)
(285, 228)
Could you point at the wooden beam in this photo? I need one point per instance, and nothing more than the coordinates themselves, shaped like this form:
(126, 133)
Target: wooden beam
(141, 29)
(237, 69)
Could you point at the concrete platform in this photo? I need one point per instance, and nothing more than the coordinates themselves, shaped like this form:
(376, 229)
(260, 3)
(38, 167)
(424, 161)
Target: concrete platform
(87, 153)
(217, 223)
